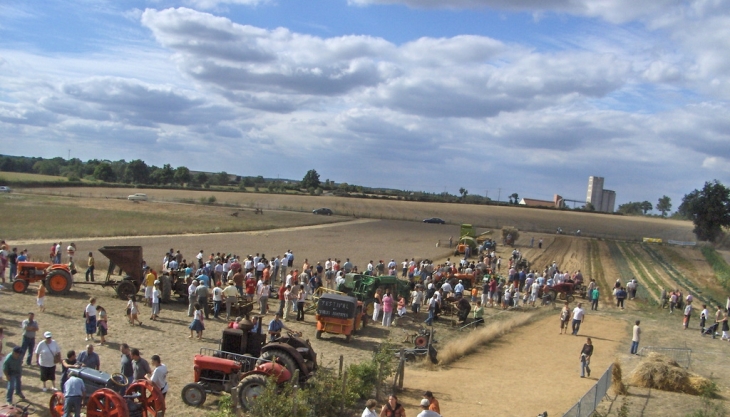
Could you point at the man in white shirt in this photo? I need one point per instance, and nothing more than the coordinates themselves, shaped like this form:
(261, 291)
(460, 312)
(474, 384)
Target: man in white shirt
(159, 374)
(230, 294)
(45, 352)
(635, 338)
(578, 317)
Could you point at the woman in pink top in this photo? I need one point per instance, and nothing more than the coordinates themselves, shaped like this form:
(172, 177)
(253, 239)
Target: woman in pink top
(387, 309)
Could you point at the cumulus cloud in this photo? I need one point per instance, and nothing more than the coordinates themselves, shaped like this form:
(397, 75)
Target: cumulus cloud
(211, 4)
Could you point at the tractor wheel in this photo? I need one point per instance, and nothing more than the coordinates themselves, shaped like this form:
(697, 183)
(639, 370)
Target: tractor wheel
(569, 298)
(147, 395)
(369, 307)
(364, 320)
(166, 288)
(249, 388)
(553, 296)
(55, 406)
(126, 288)
(193, 394)
(319, 334)
(106, 403)
(20, 285)
(58, 282)
(283, 358)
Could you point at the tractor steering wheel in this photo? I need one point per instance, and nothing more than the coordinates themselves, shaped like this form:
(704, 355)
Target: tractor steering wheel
(120, 380)
(27, 409)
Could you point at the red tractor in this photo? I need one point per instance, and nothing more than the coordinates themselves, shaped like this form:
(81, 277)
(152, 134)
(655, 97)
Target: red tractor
(245, 360)
(56, 277)
(17, 410)
(562, 291)
(109, 396)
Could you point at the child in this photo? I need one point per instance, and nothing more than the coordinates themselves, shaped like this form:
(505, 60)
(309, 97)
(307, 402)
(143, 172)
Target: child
(101, 324)
(401, 307)
(197, 324)
(474, 294)
(41, 298)
(132, 310)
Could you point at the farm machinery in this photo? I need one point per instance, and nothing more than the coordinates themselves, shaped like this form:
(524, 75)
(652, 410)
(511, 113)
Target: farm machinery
(339, 314)
(562, 291)
(246, 361)
(111, 396)
(129, 260)
(17, 410)
(423, 341)
(363, 288)
(56, 277)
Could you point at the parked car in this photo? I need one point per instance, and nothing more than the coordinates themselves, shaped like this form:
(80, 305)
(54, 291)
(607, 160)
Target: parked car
(137, 197)
(324, 210)
(434, 220)
(4, 189)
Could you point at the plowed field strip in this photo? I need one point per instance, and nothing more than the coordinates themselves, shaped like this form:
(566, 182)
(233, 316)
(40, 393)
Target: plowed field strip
(652, 284)
(677, 276)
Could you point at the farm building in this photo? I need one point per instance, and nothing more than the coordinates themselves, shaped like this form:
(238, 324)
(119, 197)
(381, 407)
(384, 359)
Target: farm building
(531, 202)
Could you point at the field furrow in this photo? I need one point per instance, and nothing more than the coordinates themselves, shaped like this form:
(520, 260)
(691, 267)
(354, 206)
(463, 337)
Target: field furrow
(677, 276)
(647, 281)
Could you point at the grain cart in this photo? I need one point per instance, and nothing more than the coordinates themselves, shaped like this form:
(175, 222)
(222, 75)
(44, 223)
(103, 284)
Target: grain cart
(129, 260)
(109, 396)
(56, 277)
(363, 288)
(339, 314)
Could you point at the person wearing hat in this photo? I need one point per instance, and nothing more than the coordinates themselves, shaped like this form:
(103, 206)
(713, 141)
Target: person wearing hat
(425, 411)
(13, 371)
(46, 353)
(433, 403)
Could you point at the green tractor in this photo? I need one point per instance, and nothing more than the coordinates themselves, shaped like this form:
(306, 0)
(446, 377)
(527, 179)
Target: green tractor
(363, 288)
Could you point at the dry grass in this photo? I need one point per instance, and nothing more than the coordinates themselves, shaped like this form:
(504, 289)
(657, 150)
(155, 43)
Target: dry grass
(473, 341)
(660, 372)
(22, 176)
(617, 384)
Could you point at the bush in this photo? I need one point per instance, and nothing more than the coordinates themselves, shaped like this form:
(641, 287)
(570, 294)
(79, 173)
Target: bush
(211, 199)
(279, 401)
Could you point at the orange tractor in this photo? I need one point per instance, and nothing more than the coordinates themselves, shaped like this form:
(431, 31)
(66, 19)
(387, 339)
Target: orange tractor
(56, 277)
(110, 396)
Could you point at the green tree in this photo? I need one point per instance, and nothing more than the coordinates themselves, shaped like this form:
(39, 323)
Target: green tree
(514, 198)
(589, 207)
(311, 179)
(709, 210)
(164, 175)
(630, 208)
(463, 191)
(201, 178)
(47, 167)
(664, 205)
(182, 175)
(104, 172)
(136, 172)
(646, 207)
(221, 178)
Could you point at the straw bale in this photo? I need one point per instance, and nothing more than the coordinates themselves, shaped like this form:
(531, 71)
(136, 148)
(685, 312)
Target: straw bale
(660, 372)
(617, 384)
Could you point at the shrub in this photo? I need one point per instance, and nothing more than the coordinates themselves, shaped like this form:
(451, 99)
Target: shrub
(211, 199)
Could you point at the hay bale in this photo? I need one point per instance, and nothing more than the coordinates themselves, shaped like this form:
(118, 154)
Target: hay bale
(617, 384)
(660, 372)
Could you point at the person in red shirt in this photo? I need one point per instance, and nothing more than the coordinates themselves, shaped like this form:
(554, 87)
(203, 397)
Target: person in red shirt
(282, 298)
(250, 287)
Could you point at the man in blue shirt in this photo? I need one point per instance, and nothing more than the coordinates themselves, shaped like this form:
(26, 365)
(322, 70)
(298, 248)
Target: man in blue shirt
(275, 327)
(89, 358)
(73, 391)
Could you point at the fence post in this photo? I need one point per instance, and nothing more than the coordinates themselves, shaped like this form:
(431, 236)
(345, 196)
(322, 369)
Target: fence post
(342, 358)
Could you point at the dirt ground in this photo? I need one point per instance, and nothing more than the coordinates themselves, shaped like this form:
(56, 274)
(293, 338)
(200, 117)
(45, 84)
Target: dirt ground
(531, 370)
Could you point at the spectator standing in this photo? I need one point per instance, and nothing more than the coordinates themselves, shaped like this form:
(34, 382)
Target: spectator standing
(387, 309)
(155, 313)
(585, 358)
(264, 293)
(192, 298)
(217, 300)
(564, 318)
(13, 372)
(90, 315)
(392, 408)
(635, 338)
(425, 412)
(48, 353)
(203, 293)
(230, 295)
(30, 326)
(578, 317)
(620, 297)
(126, 368)
(41, 298)
(140, 366)
(301, 298)
(377, 303)
(369, 410)
(73, 393)
(90, 267)
(704, 314)
(70, 362)
(672, 302)
(197, 324)
(159, 374)
(595, 294)
(102, 324)
(687, 314)
(133, 310)
(89, 358)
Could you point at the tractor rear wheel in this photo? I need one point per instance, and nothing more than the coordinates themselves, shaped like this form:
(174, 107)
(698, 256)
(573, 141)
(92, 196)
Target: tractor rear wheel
(58, 282)
(249, 388)
(55, 405)
(283, 358)
(20, 285)
(166, 288)
(126, 288)
(193, 394)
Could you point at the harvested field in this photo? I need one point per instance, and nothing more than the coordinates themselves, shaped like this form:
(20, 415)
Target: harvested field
(492, 217)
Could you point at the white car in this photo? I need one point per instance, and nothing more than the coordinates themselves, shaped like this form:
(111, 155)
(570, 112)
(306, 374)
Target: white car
(4, 189)
(137, 197)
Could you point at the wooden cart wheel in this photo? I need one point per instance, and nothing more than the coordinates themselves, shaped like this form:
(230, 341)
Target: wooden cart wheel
(55, 406)
(106, 403)
(149, 396)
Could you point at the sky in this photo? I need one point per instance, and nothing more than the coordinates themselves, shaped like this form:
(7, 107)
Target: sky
(495, 96)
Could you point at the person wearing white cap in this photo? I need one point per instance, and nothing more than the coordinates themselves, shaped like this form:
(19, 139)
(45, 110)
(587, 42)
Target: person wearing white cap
(425, 412)
(47, 354)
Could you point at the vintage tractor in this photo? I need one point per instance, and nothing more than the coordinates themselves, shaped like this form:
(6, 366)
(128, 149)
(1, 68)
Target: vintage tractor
(363, 288)
(562, 291)
(17, 410)
(129, 260)
(339, 314)
(217, 371)
(246, 360)
(110, 396)
(465, 241)
(56, 277)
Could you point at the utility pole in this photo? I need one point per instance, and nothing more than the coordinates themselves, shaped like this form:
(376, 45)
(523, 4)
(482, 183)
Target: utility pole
(486, 194)
(499, 195)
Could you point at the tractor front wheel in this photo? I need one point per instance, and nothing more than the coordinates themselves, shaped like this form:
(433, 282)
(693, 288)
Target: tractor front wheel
(193, 394)
(249, 388)
(20, 285)
(58, 282)
(125, 289)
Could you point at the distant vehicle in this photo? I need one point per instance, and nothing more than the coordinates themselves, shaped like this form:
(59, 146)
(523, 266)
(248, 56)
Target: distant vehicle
(324, 210)
(5, 189)
(137, 197)
(435, 220)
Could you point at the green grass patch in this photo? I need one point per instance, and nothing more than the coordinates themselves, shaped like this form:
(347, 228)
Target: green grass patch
(721, 268)
(646, 281)
(596, 268)
(677, 276)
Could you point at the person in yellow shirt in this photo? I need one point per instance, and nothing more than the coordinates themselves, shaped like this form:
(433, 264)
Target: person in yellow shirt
(90, 269)
(149, 282)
